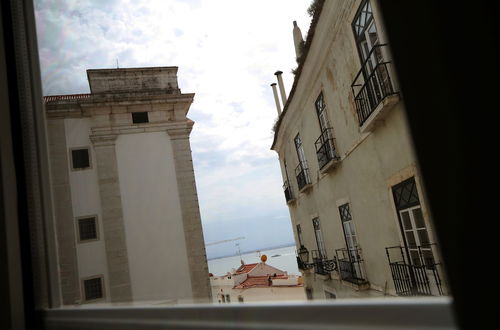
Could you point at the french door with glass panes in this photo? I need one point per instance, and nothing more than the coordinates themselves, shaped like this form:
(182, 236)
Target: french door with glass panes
(417, 236)
(319, 238)
(302, 157)
(351, 239)
(365, 30)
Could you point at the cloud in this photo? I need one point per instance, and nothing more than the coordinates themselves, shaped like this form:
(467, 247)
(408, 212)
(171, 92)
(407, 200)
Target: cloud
(226, 51)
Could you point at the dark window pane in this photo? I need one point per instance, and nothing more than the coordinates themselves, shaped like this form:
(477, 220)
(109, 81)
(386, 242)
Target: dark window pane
(80, 158)
(140, 117)
(419, 218)
(410, 238)
(87, 228)
(93, 288)
(423, 237)
(406, 220)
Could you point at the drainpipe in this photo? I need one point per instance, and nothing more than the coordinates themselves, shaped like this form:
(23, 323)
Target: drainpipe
(275, 92)
(282, 87)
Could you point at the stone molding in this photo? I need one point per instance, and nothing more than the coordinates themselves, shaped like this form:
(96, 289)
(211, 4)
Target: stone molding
(120, 286)
(188, 197)
(63, 213)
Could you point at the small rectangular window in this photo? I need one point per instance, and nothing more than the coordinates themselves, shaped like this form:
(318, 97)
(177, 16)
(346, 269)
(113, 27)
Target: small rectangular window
(80, 158)
(140, 117)
(87, 229)
(93, 288)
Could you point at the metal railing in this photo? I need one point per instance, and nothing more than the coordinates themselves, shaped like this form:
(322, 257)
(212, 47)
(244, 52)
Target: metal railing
(302, 175)
(287, 189)
(325, 148)
(323, 265)
(421, 277)
(372, 84)
(350, 265)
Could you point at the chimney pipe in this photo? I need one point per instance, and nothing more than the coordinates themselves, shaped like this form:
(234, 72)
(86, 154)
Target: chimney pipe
(275, 92)
(297, 39)
(282, 87)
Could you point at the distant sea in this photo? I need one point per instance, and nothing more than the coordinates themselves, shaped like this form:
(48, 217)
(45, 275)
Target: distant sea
(282, 258)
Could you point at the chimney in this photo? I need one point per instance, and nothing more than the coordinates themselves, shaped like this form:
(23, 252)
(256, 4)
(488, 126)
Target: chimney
(275, 92)
(282, 87)
(297, 39)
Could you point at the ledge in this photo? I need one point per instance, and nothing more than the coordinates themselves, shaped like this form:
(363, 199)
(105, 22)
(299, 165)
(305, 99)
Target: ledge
(329, 166)
(358, 287)
(363, 314)
(291, 201)
(379, 113)
(306, 188)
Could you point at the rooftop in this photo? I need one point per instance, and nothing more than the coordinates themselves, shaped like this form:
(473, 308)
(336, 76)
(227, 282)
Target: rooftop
(245, 269)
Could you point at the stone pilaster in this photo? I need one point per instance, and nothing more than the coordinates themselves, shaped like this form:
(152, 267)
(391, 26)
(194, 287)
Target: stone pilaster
(193, 232)
(112, 218)
(63, 212)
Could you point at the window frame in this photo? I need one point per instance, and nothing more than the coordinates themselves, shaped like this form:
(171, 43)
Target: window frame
(78, 233)
(73, 168)
(20, 51)
(83, 292)
(140, 113)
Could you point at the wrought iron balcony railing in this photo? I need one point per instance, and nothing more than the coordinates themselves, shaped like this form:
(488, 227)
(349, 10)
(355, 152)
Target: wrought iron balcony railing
(287, 189)
(350, 265)
(372, 84)
(418, 277)
(323, 265)
(302, 175)
(325, 148)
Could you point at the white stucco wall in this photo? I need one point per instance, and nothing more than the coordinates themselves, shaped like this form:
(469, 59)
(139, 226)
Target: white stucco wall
(152, 216)
(370, 163)
(86, 202)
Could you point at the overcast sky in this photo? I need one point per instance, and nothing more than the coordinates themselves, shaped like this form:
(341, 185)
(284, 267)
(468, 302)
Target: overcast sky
(227, 52)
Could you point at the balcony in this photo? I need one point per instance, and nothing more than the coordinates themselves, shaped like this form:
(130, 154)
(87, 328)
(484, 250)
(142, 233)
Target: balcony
(303, 177)
(287, 189)
(421, 276)
(326, 151)
(323, 266)
(373, 90)
(350, 267)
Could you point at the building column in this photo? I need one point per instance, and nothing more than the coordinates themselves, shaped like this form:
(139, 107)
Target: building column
(193, 232)
(63, 212)
(112, 218)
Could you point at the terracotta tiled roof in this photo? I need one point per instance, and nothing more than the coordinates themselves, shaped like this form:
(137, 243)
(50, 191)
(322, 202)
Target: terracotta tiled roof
(259, 281)
(51, 98)
(245, 269)
(254, 282)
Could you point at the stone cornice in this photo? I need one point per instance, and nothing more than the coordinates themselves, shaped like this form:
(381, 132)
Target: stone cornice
(179, 132)
(175, 129)
(77, 108)
(102, 140)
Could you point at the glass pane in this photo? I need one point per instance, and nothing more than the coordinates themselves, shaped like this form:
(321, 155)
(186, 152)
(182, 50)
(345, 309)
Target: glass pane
(415, 258)
(405, 217)
(423, 237)
(419, 218)
(410, 237)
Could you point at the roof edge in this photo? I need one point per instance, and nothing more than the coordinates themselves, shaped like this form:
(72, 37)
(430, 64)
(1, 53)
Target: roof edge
(303, 58)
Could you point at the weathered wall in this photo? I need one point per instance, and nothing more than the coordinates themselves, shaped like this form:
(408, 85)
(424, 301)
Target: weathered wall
(85, 200)
(370, 163)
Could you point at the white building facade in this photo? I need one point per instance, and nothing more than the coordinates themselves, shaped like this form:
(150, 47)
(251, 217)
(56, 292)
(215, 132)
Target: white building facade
(126, 209)
(351, 179)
